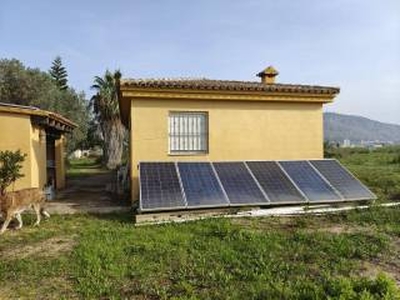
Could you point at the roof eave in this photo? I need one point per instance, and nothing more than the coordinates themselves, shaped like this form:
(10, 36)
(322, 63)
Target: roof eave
(44, 114)
(221, 86)
(163, 93)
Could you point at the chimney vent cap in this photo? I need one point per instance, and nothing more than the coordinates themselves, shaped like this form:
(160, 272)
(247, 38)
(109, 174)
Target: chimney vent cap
(269, 72)
(268, 75)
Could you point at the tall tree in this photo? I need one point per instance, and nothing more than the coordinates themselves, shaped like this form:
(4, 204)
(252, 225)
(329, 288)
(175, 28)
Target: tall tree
(59, 73)
(106, 111)
(31, 86)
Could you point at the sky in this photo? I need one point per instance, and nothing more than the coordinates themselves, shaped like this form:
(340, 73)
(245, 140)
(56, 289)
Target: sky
(352, 44)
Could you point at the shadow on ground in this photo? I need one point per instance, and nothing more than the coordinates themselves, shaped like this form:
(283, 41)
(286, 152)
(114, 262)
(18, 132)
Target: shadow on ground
(122, 217)
(89, 194)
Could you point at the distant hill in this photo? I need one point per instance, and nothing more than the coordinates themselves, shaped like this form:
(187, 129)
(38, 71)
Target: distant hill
(338, 127)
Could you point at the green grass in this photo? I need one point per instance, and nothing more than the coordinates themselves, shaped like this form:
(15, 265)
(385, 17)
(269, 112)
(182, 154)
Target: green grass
(351, 255)
(261, 258)
(84, 167)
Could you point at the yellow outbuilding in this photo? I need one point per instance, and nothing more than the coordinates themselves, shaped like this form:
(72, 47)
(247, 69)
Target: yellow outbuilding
(40, 135)
(222, 120)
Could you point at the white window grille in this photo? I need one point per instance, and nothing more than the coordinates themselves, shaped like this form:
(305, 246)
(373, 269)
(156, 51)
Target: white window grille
(188, 132)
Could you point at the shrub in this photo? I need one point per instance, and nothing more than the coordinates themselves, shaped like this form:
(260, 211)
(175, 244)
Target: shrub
(396, 159)
(10, 168)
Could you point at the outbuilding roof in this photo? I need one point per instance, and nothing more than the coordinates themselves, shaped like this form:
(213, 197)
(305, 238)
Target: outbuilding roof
(39, 116)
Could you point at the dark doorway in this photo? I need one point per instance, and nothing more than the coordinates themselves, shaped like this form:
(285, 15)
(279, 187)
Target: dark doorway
(51, 160)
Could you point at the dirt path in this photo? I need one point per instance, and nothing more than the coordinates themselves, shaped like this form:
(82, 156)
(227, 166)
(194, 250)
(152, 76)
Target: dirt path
(87, 194)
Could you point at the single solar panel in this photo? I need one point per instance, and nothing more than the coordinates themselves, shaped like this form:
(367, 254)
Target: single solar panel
(239, 184)
(159, 186)
(274, 182)
(347, 185)
(201, 186)
(309, 181)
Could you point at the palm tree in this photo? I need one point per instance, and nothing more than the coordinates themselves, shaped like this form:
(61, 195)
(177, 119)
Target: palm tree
(106, 111)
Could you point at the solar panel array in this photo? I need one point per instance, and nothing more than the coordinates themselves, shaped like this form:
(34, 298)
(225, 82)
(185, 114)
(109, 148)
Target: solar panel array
(191, 185)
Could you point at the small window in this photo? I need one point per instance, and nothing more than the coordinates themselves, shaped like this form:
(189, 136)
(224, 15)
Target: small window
(188, 132)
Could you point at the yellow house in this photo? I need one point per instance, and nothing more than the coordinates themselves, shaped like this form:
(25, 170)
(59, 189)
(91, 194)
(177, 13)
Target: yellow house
(222, 120)
(41, 136)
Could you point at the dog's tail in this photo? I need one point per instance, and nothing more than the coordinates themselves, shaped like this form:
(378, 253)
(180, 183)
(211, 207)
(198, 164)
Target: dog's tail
(44, 213)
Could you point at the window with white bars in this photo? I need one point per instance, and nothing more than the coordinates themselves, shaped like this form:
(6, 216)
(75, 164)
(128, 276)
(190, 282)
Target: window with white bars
(188, 132)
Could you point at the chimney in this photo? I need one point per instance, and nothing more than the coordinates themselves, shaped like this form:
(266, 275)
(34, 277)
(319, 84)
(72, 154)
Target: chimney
(268, 75)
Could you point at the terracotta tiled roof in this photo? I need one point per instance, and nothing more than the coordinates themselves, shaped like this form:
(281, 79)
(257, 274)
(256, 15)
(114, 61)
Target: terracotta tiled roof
(225, 85)
(48, 116)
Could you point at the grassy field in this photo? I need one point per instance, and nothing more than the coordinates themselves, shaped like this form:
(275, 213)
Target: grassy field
(352, 255)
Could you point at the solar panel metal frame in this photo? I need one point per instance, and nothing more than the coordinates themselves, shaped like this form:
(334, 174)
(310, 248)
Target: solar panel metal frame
(228, 202)
(309, 201)
(174, 208)
(373, 196)
(254, 179)
(181, 184)
(276, 203)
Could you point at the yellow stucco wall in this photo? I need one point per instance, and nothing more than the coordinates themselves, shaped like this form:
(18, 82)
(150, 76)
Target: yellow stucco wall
(15, 133)
(18, 132)
(38, 157)
(60, 163)
(238, 130)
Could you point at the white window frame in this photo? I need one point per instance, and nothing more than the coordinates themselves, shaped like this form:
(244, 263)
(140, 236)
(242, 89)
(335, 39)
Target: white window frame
(198, 140)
